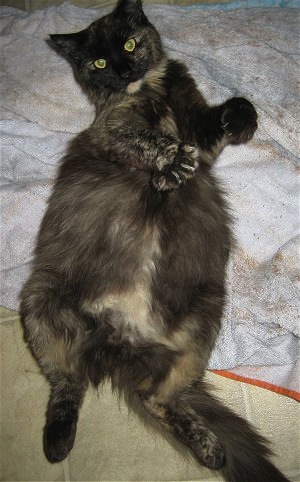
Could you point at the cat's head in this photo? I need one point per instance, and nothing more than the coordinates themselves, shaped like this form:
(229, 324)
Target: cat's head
(115, 52)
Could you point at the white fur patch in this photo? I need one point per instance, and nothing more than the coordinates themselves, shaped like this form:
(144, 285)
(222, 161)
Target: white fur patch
(134, 87)
(138, 319)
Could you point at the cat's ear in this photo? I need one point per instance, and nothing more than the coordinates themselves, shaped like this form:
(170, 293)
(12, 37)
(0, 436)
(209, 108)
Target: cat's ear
(67, 44)
(129, 8)
(129, 3)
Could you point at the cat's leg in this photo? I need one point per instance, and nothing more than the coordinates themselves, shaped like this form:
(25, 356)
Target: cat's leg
(218, 438)
(57, 351)
(169, 405)
(210, 128)
(65, 399)
(169, 398)
(60, 363)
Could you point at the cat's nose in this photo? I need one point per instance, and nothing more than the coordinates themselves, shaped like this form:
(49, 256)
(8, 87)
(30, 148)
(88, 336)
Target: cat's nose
(125, 74)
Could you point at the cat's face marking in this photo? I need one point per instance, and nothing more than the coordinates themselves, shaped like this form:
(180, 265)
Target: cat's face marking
(115, 52)
(134, 87)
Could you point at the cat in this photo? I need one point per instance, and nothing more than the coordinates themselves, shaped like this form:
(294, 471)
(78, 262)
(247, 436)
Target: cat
(128, 278)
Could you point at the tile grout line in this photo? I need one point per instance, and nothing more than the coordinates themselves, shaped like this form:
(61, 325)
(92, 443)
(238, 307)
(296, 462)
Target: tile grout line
(247, 404)
(66, 469)
(9, 318)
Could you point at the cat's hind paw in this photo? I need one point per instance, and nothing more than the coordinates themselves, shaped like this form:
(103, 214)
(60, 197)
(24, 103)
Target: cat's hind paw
(59, 439)
(182, 169)
(208, 450)
(239, 120)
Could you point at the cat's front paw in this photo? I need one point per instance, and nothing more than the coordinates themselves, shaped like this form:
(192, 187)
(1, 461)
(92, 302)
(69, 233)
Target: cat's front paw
(239, 120)
(182, 169)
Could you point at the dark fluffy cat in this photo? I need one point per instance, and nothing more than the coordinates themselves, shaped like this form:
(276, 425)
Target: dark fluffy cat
(128, 276)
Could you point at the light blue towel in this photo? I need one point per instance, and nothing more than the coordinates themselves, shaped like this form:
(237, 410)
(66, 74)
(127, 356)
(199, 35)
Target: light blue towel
(250, 52)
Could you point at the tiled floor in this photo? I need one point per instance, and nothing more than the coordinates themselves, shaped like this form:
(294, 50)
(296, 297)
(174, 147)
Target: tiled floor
(111, 445)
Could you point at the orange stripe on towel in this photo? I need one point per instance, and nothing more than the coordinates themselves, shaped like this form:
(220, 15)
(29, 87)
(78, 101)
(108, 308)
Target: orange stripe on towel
(259, 383)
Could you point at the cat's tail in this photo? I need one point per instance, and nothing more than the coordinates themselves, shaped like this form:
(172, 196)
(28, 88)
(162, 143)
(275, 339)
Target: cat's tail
(247, 454)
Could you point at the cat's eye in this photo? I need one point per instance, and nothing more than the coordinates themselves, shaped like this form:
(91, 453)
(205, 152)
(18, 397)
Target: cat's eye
(129, 46)
(100, 63)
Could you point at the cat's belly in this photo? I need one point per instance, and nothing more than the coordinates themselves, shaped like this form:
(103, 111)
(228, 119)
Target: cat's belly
(130, 314)
(130, 311)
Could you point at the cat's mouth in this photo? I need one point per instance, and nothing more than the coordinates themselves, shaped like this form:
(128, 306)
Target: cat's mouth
(134, 87)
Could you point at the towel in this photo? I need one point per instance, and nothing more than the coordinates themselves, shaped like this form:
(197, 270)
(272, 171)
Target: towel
(249, 52)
